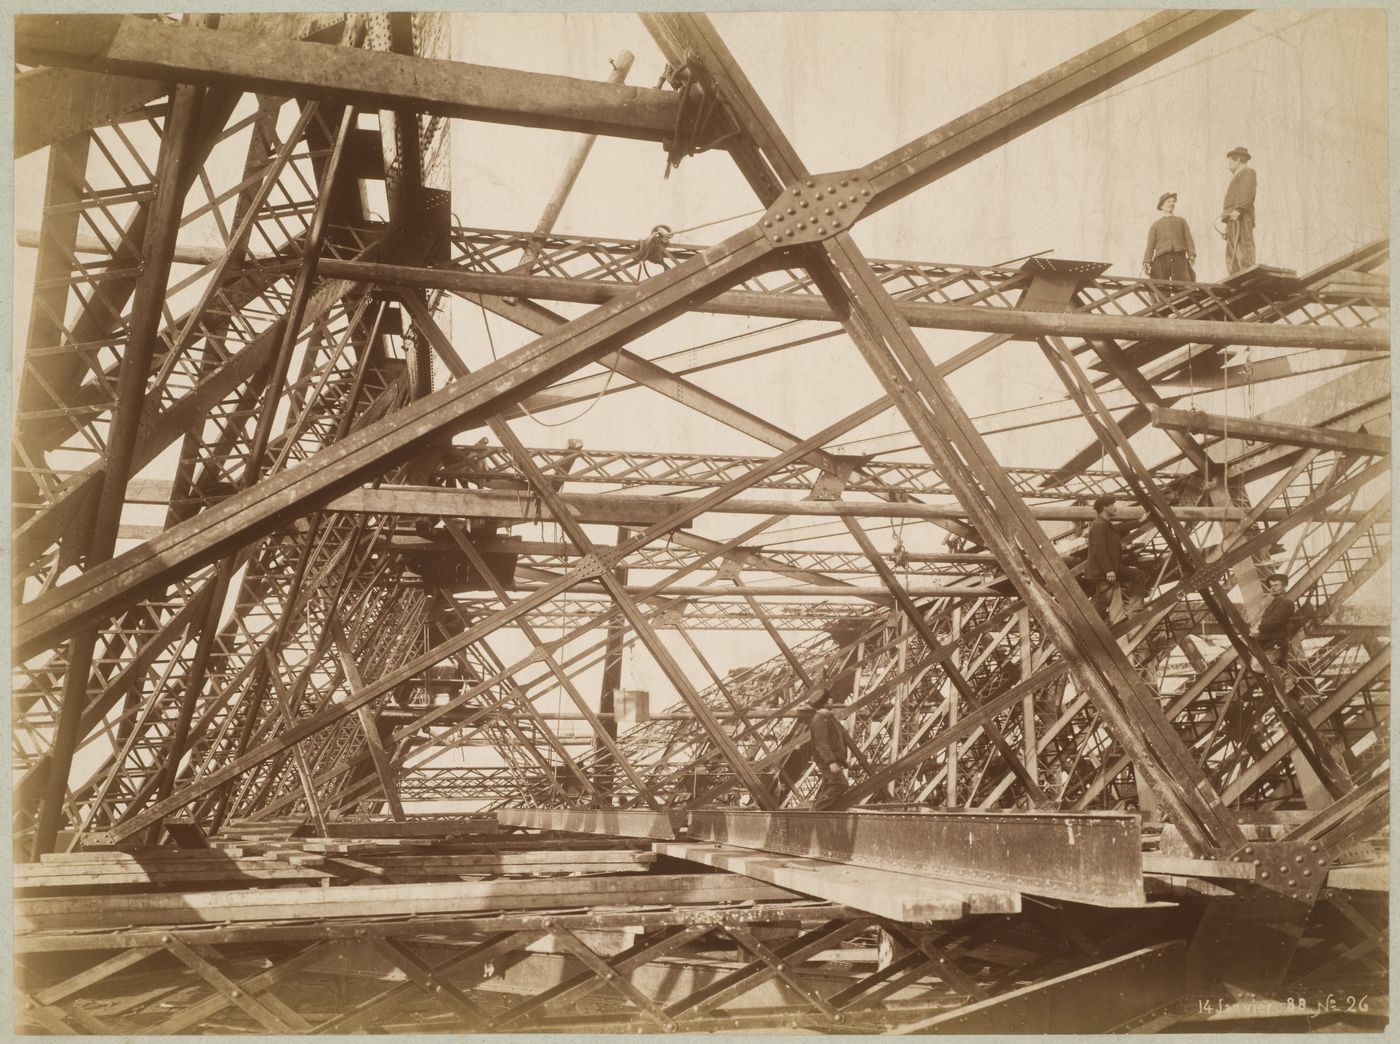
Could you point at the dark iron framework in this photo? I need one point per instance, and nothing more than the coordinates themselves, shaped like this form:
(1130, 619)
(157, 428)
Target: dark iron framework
(298, 630)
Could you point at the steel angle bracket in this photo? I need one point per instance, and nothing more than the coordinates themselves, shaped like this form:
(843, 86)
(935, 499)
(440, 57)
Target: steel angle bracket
(829, 485)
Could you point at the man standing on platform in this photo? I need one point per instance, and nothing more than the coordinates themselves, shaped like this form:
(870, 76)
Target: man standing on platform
(1106, 567)
(1170, 249)
(1238, 211)
(829, 747)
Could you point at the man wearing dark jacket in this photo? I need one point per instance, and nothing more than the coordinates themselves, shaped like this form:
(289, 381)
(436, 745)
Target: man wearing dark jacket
(1238, 211)
(1275, 625)
(829, 748)
(1106, 568)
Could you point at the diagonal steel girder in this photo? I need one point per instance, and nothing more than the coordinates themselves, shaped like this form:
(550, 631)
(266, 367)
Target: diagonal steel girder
(423, 320)
(248, 515)
(889, 346)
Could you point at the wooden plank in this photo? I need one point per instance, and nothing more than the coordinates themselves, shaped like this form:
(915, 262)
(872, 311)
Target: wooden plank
(166, 859)
(484, 823)
(87, 881)
(516, 861)
(93, 912)
(888, 893)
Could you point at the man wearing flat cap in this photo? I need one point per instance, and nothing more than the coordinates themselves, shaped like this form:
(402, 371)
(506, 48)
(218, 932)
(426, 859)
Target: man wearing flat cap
(1238, 211)
(1170, 248)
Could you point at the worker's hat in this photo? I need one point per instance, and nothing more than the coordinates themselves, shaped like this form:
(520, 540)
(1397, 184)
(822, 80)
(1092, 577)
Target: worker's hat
(1164, 197)
(1102, 502)
(1240, 151)
(1281, 577)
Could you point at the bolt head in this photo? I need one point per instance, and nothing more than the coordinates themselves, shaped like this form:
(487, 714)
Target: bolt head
(788, 233)
(1258, 862)
(805, 203)
(1298, 858)
(850, 199)
(797, 191)
(816, 195)
(1249, 850)
(841, 205)
(768, 224)
(1307, 872)
(801, 225)
(827, 210)
(811, 184)
(843, 182)
(1264, 875)
(865, 192)
(1312, 848)
(831, 188)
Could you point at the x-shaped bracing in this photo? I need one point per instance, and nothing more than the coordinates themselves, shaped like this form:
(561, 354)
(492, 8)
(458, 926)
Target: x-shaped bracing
(871, 320)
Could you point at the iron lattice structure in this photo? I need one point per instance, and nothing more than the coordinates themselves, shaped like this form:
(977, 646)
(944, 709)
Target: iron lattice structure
(265, 573)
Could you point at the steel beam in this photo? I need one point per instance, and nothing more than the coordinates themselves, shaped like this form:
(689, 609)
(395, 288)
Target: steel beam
(159, 50)
(1087, 857)
(1266, 431)
(639, 509)
(1018, 324)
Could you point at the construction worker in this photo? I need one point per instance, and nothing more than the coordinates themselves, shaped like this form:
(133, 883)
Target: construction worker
(829, 747)
(1275, 624)
(1106, 567)
(1238, 211)
(1170, 249)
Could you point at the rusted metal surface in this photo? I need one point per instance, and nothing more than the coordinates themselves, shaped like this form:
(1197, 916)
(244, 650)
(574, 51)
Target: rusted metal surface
(1088, 857)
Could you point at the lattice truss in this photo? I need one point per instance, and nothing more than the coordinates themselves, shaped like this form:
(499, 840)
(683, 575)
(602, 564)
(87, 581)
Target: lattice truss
(265, 547)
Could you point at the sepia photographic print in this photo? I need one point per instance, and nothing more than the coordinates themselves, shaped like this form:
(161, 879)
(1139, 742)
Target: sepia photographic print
(774, 522)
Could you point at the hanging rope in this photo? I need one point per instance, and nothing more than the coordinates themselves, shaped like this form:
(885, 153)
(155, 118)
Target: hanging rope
(491, 342)
(717, 221)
